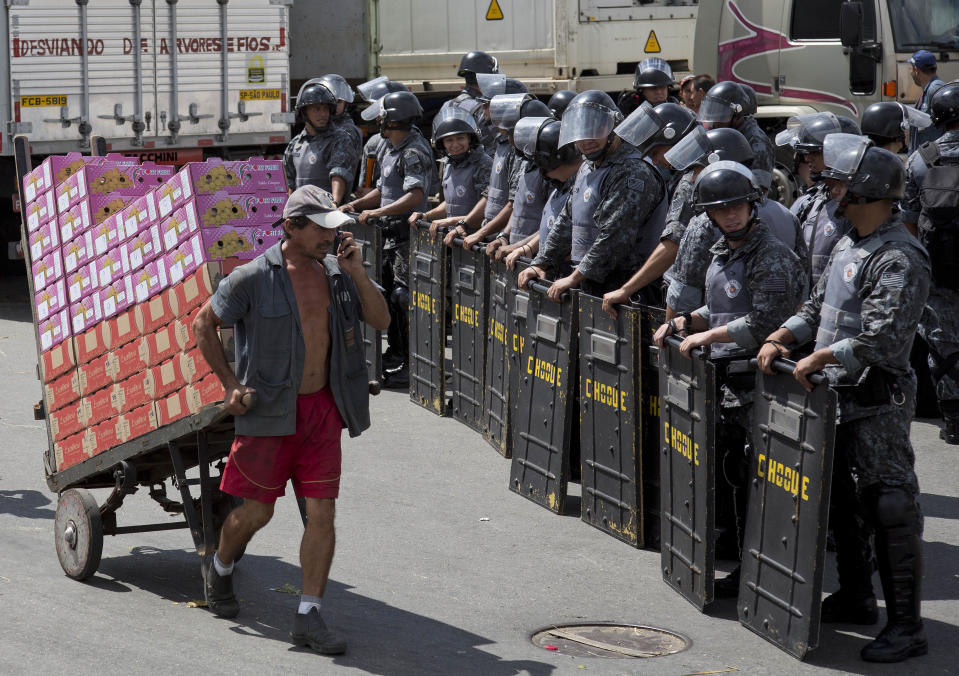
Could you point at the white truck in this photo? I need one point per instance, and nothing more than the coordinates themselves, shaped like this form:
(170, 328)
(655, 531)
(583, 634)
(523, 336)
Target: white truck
(150, 76)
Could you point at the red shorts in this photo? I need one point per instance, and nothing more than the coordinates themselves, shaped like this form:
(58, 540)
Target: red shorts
(259, 467)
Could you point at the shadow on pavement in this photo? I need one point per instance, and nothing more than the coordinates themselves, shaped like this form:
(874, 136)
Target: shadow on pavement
(939, 506)
(383, 639)
(27, 504)
(15, 298)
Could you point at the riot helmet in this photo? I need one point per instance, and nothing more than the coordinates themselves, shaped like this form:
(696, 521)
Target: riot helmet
(537, 139)
(474, 63)
(496, 84)
(751, 103)
(339, 86)
(847, 125)
(805, 133)
(870, 173)
(558, 102)
(653, 72)
(402, 109)
(944, 106)
(590, 115)
(701, 148)
(887, 121)
(451, 121)
(724, 103)
(378, 88)
(727, 184)
(667, 124)
(314, 92)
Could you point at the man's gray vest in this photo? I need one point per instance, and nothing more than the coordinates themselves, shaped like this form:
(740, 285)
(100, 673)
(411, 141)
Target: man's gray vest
(459, 189)
(586, 196)
(391, 176)
(551, 211)
(528, 204)
(497, 195)
(728, 298)
(309, 160)
(822, 232)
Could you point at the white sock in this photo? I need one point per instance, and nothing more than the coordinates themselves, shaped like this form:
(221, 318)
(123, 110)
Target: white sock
(221, 569)
(308, 602)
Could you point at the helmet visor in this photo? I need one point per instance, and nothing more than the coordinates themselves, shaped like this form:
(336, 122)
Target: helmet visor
(714, 110)
(692, 149)
(655, 63)
(641, 125)
(788, 137)
(914, 118)
(454, 113)
(367, 89)
(813, 128)
(339, 86)
(505, 109)
(726, 165)
(585, 120)
(526, 134)
(842, 154)
(490, 85)
(374, 111)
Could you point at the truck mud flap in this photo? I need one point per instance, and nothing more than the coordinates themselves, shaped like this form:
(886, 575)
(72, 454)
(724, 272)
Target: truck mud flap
(784, 547)
(468, 286)
(542, 422)
(687, 387)
(610, 428)
(428, 319)
(650, 319)
(370, 240)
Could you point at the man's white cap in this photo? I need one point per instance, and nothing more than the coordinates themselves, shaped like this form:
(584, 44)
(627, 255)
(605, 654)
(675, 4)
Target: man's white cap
(316, 204)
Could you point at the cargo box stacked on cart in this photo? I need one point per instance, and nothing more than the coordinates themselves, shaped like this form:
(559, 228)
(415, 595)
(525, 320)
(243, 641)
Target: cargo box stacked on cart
(122, 255)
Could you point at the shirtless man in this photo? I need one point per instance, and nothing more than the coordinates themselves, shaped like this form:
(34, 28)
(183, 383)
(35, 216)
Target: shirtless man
(296, 310)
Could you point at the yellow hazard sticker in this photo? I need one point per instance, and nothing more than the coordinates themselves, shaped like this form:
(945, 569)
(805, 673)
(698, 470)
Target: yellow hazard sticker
(260, 94)
(652, 44)
(494, 13)
(43, 100)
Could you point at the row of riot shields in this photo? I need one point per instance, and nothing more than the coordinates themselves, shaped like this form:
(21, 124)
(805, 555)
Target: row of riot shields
(564, 390)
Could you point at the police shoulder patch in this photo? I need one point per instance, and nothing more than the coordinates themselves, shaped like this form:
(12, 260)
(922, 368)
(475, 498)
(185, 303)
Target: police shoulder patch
(775, 284)
(894, 280)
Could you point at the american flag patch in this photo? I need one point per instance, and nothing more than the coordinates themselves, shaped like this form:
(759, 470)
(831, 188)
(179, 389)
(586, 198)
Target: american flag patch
(893, 279)
(775, 284)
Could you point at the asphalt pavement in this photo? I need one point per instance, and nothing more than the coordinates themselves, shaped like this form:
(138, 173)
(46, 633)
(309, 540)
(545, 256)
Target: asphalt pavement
(439, 569)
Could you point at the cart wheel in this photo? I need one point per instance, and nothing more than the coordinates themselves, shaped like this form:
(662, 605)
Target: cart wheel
(78, 533)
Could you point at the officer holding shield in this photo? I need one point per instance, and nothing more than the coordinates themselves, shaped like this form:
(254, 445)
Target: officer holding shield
(863, 315)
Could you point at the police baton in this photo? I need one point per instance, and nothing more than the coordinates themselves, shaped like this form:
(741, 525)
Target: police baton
(787, 366)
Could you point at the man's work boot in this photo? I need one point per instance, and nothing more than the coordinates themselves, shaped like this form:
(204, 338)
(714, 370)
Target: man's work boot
(727, 587)
(950, 428)
(218, 592)
(845, 608)
(311, 631)
(397, 378)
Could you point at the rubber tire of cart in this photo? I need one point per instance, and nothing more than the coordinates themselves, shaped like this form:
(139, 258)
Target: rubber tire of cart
(78, 533)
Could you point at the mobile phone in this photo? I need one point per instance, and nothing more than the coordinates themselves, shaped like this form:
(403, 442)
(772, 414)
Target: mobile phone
(337, 240)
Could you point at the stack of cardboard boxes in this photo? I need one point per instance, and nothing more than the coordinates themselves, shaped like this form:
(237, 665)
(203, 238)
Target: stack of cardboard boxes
(122, 257)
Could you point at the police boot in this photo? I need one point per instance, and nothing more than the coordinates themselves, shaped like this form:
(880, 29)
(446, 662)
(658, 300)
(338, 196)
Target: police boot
(727, 587)
(397, 378)
(950, 417)
(899, 556)
(855, 602)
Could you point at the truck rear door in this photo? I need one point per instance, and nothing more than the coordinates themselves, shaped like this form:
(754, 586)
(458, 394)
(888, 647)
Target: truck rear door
(750, 39)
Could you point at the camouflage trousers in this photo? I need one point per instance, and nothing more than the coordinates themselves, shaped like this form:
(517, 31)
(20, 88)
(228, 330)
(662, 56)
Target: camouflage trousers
(939, 327)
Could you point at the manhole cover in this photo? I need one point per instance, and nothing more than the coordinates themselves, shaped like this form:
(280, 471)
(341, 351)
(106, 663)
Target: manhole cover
(610, 640)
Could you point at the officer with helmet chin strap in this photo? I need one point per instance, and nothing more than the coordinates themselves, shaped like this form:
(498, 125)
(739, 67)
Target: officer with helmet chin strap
(406, 174)
(342, 117)
(753, 283)
(731, 104)
(614, 217)
(470, 99)
(558, 101)
(654, 77)
(537, 138)
(863, 316)
(886, 124)
(465, 175)
(370, 92)
(322, 154)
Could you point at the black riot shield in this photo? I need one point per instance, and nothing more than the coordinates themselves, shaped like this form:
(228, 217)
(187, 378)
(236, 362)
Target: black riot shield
(650, 319)
(609, 420)
(496, 411)
(542, 419)
(468, 286)
(784, 546)
(687, 397)
(369, 237)
(427, 318)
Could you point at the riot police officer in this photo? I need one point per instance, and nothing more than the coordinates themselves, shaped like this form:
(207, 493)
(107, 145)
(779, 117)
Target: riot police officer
(406, 174)
(863, 316)
(370, 170)
(321, 154)
(753, 283)
(537, 138)
(465, 174)
(473, 64)
(728, 104)
(613, 219)
(342, 117)
(558, 101)
(652, 81)
(687, 275)
(931, 208)
(886, 123)
(654, 131)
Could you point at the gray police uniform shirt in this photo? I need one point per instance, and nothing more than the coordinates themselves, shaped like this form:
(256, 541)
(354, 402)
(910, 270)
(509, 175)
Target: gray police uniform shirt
(916, 169)
(612, 220)
(315, 160)
(680, 209)
(751, 290)
(919, 136)
(345, 122)
(764, 151)
(555, 203)
(528, 203)
(822, 230)
(687, 276)
(465, 181)
(503, 179)
(258, 300)
(405, 167)
(466, 101)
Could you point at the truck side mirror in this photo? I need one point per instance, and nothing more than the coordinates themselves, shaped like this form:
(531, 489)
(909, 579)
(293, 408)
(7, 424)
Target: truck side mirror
(850, 24)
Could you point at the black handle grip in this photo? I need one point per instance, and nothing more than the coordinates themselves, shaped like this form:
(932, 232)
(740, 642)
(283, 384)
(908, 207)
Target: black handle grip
(542, 287)
(676, 341)
(786, 366)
